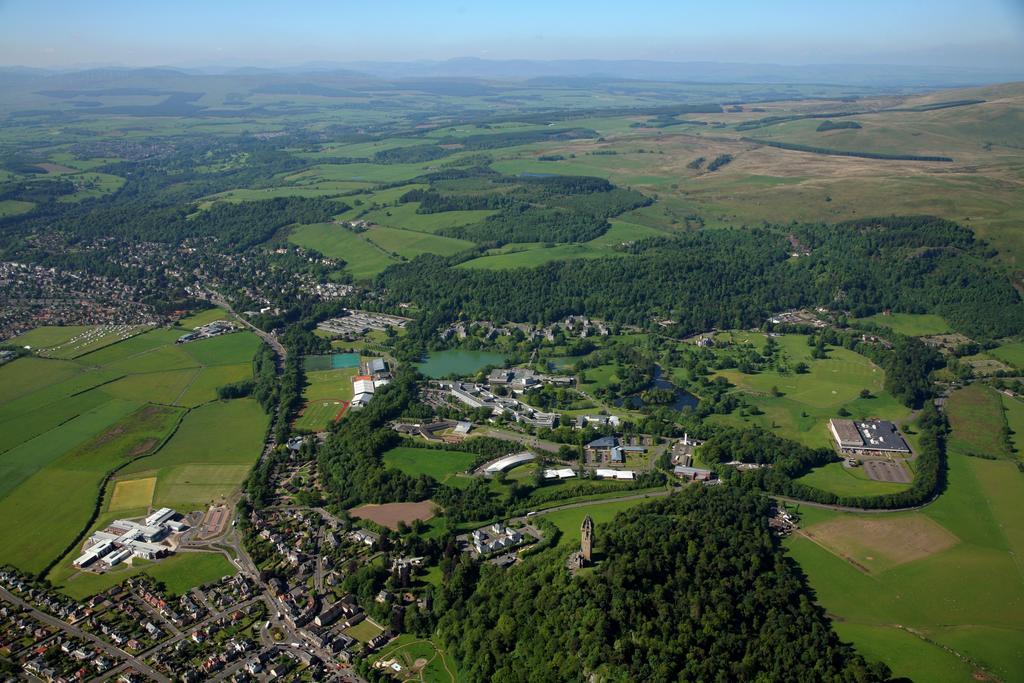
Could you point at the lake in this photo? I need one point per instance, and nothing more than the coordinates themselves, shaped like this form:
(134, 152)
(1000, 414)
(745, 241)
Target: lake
(458, 362)
(680, 399)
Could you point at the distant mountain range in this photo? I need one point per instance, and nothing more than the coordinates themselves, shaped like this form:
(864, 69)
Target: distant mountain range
(871, 75)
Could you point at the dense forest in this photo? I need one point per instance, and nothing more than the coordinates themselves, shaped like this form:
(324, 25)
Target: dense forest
(735, 278)
(691, 587)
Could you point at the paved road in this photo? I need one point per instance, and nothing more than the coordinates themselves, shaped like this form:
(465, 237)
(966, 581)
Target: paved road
(524, 439)
(115, 652)
(278, 347)
(844, 508)
(587, 503)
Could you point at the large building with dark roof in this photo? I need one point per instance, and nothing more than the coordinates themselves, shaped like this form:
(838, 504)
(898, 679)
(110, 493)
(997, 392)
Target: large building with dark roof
(867, 436)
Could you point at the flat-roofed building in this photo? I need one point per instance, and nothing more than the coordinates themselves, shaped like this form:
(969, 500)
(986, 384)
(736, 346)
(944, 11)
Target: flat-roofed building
(159, 517)
(846, 434)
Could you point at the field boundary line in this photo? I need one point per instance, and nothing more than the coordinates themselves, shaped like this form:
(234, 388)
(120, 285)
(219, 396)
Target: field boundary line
(101, 495)
(189, 385)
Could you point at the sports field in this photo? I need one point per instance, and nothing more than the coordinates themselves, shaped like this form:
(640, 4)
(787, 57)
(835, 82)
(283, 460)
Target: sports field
(364, 631)
(318, 414)
(132, 493)
(327, 393)
(439, 464)
(922, 591)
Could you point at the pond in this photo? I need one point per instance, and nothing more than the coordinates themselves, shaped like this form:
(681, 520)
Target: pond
(457, 362)
(681, 398)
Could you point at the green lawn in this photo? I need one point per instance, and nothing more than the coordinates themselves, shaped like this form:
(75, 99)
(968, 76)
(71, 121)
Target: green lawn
(569, 520)
(807, 401)
(848, 481)
(911, 324)
(180, 573)
(364, 631)
(439, 464)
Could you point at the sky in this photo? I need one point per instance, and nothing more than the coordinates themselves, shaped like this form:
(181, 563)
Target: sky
(61, 33)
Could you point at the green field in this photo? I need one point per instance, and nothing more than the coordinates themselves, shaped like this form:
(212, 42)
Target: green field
(440, 464)
(405, 216)
(1015, 419)
(209, 456)
(968, 597)
(1011, 354)
(319, 414)
(203, 317)
(69, 342)
(64, 425)
(363, 259)
(46, 502)
(29, 374)
(911, 324)
(975, 414)
(368, 253)
(49, 335)
(14, 207)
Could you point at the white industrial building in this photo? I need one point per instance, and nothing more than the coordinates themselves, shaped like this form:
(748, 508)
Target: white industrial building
(508, 462)
(613, 474)
(124, 539)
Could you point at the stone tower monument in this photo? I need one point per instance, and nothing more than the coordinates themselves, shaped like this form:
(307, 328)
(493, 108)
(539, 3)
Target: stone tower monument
(586, 539)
